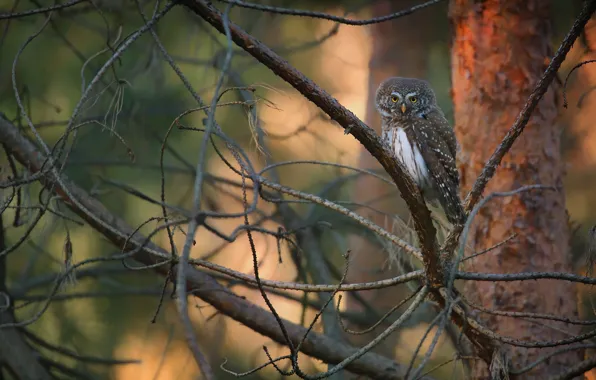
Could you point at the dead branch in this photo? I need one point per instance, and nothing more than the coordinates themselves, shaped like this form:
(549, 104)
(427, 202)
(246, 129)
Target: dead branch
(198, 283)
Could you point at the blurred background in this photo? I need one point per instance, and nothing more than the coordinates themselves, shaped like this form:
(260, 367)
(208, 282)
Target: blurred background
(109, 311)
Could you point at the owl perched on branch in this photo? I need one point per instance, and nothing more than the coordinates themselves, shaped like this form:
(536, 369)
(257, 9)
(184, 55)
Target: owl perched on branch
(417, 131)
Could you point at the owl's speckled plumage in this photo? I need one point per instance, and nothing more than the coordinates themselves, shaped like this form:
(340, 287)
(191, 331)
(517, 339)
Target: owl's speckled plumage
(417, 131)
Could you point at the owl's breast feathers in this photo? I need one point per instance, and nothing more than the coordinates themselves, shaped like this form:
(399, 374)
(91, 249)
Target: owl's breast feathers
(408, 154)
(433, 143)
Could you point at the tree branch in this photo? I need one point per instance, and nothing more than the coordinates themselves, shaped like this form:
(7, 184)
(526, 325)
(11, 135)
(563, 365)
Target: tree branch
(198, 283)
(368, 138)
(577, 370)
(327, 16)
(14, 351)
(350, 122)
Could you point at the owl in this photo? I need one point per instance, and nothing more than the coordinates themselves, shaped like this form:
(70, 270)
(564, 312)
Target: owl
(417, 131)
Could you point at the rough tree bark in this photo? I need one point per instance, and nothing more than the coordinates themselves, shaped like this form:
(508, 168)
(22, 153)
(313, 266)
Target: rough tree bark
(500, 48)
(395, 52)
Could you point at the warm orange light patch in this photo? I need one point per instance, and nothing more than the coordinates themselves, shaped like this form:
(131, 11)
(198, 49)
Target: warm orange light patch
(343, 69)
(344, 61)
(161, 360)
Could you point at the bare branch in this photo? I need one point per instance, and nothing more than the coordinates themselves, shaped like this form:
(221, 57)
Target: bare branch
(577, 370)
(366, 136)
(13, 15)
(200, 284)
(14, 351)
(326, 16)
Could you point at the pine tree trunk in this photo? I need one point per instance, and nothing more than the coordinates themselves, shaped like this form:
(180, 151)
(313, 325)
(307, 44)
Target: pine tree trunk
(500, 49)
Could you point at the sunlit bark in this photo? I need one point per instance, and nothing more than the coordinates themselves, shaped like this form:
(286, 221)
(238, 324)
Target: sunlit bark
(500, 48)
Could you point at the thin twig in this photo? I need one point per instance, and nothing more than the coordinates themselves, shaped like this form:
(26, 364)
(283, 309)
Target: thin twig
(31, 12)
(327, 16)
(198, 283)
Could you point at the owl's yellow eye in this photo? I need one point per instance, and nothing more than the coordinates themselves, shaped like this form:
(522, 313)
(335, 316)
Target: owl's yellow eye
(413, 99)
(394, 99)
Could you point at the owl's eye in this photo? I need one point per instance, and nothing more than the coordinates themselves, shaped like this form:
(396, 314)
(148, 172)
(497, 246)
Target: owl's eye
(413, 99)
(394, 99)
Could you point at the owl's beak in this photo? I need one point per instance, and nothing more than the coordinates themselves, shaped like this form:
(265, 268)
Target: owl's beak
(403, 108)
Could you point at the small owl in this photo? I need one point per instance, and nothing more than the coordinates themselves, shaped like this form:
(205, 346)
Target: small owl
(417, 131)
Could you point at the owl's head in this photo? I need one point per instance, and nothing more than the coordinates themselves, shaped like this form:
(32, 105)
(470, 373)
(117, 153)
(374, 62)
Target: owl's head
(399, 97)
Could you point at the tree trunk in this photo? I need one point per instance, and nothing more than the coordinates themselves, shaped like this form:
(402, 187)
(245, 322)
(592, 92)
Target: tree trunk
(500, 49)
